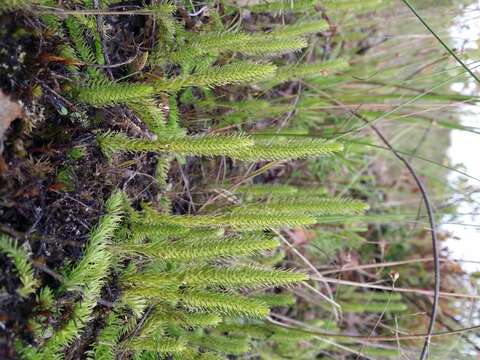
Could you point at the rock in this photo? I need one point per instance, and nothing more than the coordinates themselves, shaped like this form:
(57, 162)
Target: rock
(9, 111)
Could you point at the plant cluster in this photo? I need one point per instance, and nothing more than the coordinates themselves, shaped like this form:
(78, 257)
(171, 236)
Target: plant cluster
(201, 285)
(191, 286)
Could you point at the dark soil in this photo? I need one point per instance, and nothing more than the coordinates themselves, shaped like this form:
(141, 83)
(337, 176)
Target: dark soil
(50, 193)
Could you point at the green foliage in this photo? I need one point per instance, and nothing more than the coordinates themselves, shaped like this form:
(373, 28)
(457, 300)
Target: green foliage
(54, 24)
(19, 257)
(150, 114)
(157, 232)
(12, 5)
(76, 153)
(244, 277)
(222, 344)
(247, 221)
(68, 53)
(279, 192)
(254, 329)
(110, 94)
(297, 72)
(201, 235)
(107, 341)
(181, 318)
(267, 190)
(375, 307)
(306, 5)
(235, 73)
(393, 353)
(238, 147)
(272, 342)
(186, 293)
(372, 301)
(158, 345)
(193, 145)
(91, 26)
(88, 276)
(316, 207)
(80, 315)
(214, 43)
(372, 296)
(299, 28)
(179, 251)
(354, 5)
(226, 304)
(284, 6)
(274, 299)
(161, 171)
(92, 269)
(162, 11)
(45, 298)
(204, 276)
(292, 148)
(325, 244)
(193, 300)
(78, 32)
(252, 110)
(65, 176)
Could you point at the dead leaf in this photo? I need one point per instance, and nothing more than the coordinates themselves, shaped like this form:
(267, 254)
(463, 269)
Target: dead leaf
(3, 165)
(60, 59)
(56, 187)
(9, 111)
(301, 237)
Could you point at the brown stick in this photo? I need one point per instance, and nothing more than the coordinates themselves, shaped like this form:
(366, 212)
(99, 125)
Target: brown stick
(373, 338)
(398, 289)
(379, 265)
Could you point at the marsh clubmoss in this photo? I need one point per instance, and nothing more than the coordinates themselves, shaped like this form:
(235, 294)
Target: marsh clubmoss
(190, 285)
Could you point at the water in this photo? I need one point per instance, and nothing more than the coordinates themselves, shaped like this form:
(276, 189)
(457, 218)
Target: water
(465, 150)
